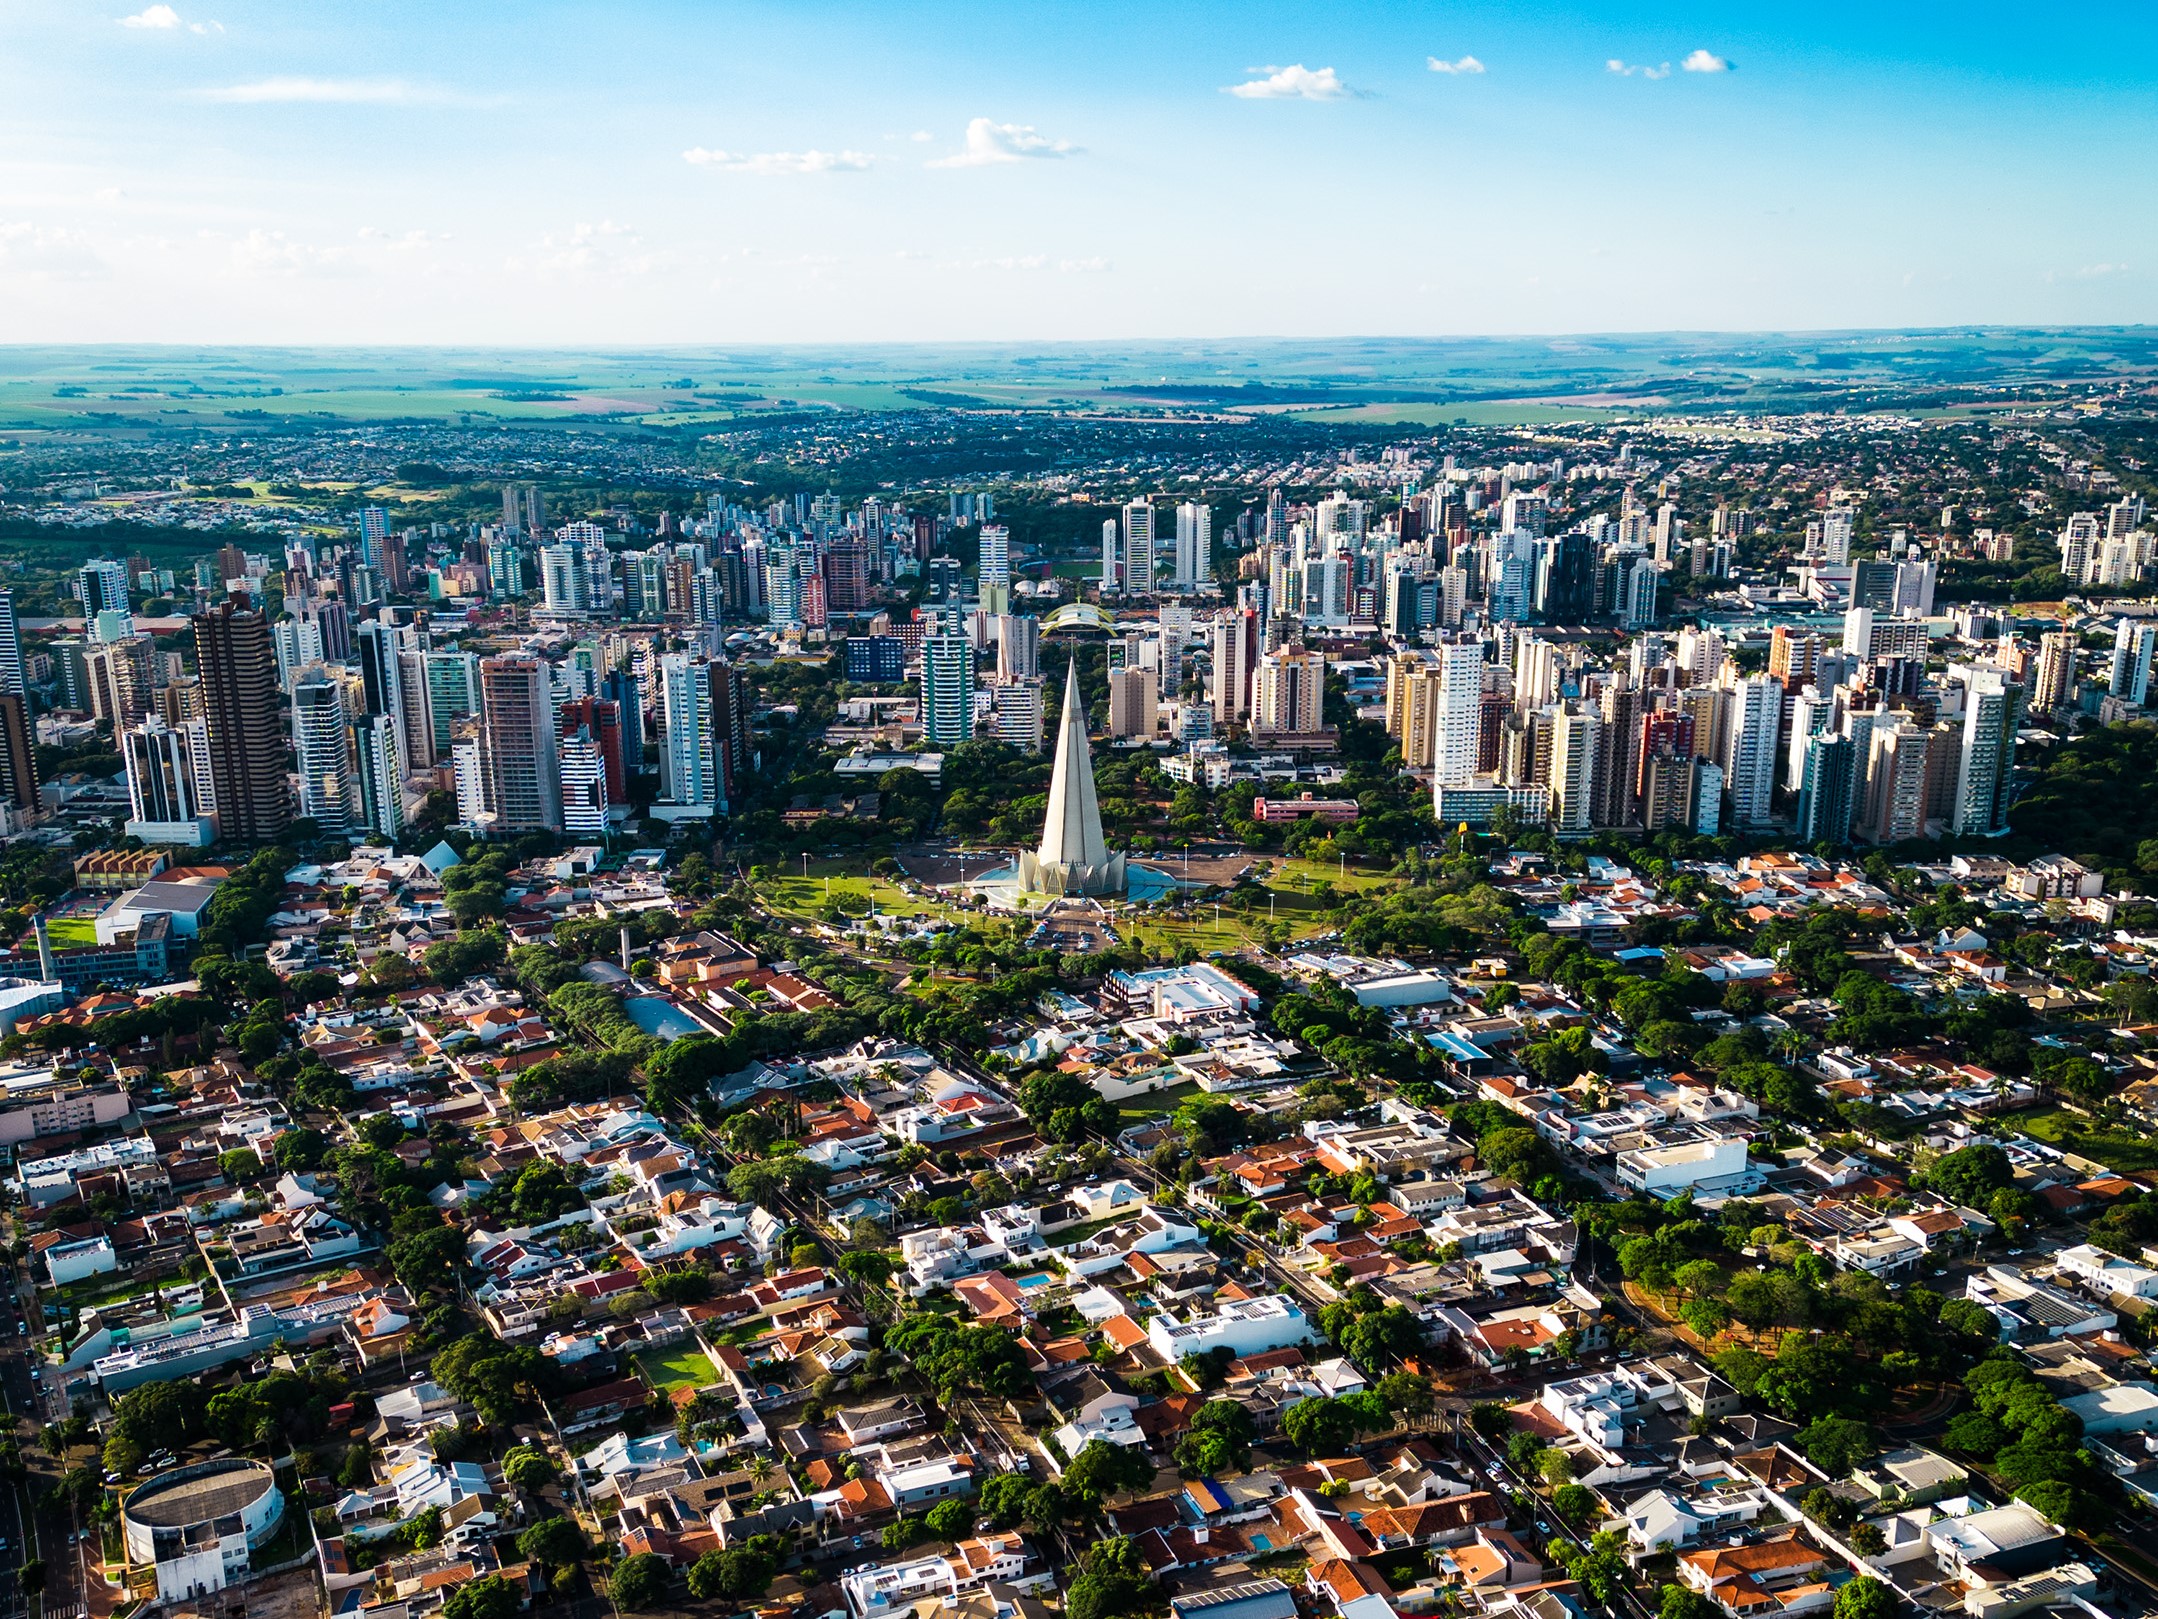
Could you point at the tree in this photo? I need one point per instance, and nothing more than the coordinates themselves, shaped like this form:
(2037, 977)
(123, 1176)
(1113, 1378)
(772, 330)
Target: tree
(490, 1598)
(122, 1455)
(1836, 1444)
(951, 1520)
(31, 1577)
(1408, 1393)
(529, 1468)
(552, 1543)
(640, 1582)
(1865, 1598)
(1318, 1427)
(1867, 1539)
(1680, 1602)
(1556, 1467)
(1975, 1434)
(1219, 1440)
(1003, 1499)
(1102, 1469)
(738, 1573)
(1113, 1581)
(1576, 1503)
(1971, 1175)
(1490, 1420)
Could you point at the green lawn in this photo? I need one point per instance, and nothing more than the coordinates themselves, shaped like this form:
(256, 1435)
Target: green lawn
(72, 932)
(1157, 1104)
(683, 1366)
(847, 881)
(2115, 1146)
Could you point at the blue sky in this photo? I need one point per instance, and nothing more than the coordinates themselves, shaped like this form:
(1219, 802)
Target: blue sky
(697, 171)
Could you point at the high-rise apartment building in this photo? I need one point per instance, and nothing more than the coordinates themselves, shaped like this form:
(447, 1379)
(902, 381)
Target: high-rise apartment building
(1134, 702)
(18, 761)
(1139, 547)
(101, 587)
(1194, 544)
(2133, 646)
(994, 574)
(1235, 662)
(1992, 710)
(1824, 795)
(584, 783)
(1289, 693)
(947, 690)
(323, 750)
(1016, 713)
(378, 760)
(167, 773)
(1574, 739)
(12, 677)
(523, 771)
(2053, 686)
(1456, 711)
(1750, 764)
(240, 703)
(1019, 648)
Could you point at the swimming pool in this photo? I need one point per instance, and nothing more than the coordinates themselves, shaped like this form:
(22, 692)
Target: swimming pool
(660, 1017)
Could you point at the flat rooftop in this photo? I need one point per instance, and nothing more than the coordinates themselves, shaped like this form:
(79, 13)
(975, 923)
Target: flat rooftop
(201, 1499)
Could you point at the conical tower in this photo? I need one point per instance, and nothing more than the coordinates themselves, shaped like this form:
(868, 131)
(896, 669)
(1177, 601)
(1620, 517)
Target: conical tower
(1074, 857)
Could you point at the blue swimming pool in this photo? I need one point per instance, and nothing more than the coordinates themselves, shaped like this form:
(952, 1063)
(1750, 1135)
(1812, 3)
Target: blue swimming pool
(659, 1017)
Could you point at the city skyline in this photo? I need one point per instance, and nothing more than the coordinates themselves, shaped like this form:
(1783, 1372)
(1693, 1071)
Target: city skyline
(665, 173)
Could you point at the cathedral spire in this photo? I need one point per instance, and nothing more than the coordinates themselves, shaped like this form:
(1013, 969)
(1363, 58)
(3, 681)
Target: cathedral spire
(1074, 857)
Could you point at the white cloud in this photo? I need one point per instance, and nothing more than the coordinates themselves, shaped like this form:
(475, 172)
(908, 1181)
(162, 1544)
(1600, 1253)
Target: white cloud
(1032, 262)
(1293, 83)
(47, 253)
(273, 253)
(921, 135)
(1629, 70)
(991, 142)
(206, 28)
(370, 92)
(1706, 62)
(1467, 64)
(810, 162)
(591, 250)
(152, 17)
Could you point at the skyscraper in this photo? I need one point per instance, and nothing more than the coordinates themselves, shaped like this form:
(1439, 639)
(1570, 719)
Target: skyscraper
(2053, 687)
(101, 587)
(2133, 645)
(1750, 765)
(584, 784)
(688, 778)
(11, 670)
(518, 751)
(1288, 694)
(1139, 547)
(1134, 702)
(1992, 709)
(18, 759)
(947, 690)
(1456, 713)
(994, 576)
(1194, 544)
(382, 677)
(1110, 581)
(1019, 648)
(453, 693)
(1824, 796)
(323, 750)
(240, 702)
(377, 753)
(166, 767)
(1573, 769)
(1074, 856)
